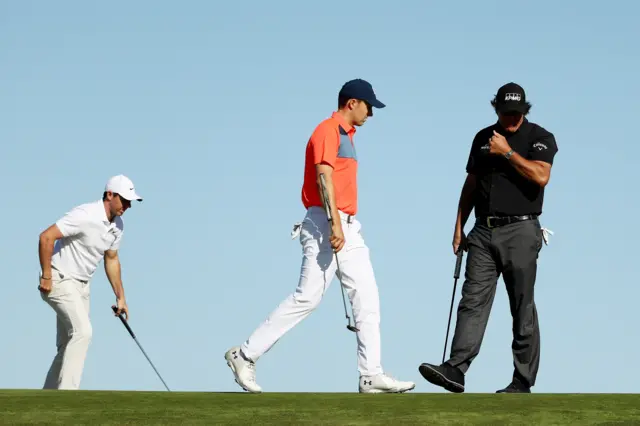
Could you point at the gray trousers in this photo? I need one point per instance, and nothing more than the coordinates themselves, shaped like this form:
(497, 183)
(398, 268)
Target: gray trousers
(511, 251)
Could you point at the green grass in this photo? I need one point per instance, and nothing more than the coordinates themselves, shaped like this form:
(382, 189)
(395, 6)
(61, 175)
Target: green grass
(177, 408)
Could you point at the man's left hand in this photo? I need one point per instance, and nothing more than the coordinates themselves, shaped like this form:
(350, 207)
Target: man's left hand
(122, 308)
(498, 144)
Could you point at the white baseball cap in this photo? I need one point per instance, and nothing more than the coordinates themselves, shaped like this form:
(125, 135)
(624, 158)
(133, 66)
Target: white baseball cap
(123, 186)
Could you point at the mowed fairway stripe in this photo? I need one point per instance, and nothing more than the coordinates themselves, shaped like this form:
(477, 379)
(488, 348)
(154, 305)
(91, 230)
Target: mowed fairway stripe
(158, 408)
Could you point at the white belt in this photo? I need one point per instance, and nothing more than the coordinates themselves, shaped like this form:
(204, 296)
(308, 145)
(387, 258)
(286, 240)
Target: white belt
(295, 232)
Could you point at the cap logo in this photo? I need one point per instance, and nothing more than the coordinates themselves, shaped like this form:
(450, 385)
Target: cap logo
(512, 97)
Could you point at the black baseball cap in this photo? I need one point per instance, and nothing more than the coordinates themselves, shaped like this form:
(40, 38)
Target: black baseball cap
(361, 90)
(511, 98)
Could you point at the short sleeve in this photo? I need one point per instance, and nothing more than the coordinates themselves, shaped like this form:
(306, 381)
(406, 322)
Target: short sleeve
(472, 160)
(471, 163)
(116, 243)
(119, 232)
(543, 147)
(73, 222)
(325, 142)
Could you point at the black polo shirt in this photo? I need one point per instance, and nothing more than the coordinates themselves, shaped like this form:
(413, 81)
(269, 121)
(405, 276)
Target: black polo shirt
(500, 189)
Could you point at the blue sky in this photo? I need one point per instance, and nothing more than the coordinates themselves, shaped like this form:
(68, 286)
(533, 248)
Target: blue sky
(208, 106)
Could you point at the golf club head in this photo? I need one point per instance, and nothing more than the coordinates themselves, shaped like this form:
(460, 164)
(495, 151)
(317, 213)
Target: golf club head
(352, 328)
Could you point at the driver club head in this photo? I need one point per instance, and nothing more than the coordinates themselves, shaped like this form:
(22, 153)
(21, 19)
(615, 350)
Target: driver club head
(352, 328)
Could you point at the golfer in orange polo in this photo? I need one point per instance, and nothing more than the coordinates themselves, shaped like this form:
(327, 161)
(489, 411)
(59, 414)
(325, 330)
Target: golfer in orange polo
(330, 151)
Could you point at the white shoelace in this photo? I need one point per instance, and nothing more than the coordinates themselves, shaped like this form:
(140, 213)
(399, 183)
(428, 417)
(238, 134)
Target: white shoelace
(390, 377)
(252, 371)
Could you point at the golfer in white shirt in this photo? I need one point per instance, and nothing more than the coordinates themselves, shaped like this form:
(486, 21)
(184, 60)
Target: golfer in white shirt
(84, 235)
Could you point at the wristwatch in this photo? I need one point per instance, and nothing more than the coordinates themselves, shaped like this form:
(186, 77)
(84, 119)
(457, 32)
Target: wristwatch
(508, 154)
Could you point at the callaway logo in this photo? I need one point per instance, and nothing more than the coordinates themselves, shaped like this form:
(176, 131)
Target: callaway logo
(512, 97)
(540, 146)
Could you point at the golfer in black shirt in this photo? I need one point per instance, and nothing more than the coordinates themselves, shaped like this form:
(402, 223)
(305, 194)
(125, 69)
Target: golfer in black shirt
(508, 168)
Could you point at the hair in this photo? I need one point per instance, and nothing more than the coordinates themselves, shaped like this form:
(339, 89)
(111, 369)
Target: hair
(342, 101)
(495, 106)
(104, 195)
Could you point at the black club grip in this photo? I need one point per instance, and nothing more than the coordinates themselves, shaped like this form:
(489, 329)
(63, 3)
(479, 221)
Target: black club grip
(456, 273)
(124, 321)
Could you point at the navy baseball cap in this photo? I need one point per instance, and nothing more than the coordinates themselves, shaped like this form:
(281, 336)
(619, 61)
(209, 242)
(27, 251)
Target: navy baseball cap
(361, 90)
(510, 98)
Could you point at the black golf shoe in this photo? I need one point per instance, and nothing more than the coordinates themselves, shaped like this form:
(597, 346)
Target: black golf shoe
(444, 375)
(515, 387)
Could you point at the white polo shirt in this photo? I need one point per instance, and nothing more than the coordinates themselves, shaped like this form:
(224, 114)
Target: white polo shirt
(87, 234)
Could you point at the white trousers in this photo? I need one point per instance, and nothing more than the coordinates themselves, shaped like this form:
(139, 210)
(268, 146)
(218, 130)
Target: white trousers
(69, 299)
(317, 271)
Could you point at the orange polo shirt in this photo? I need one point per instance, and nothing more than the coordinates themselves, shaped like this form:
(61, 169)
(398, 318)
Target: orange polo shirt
(332, 143)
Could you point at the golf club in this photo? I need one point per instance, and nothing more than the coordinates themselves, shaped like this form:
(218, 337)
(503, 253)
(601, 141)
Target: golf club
(126, 324)
(327, 208)
(456, 275)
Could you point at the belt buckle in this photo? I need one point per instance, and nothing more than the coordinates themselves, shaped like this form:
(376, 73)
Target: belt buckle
(489, 222)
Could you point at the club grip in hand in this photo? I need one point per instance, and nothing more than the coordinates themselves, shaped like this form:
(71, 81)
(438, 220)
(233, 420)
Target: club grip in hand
(456, 273)
(124, 321)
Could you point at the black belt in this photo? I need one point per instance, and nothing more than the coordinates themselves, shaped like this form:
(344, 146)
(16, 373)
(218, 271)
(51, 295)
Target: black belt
(346, 216)
(497, 221)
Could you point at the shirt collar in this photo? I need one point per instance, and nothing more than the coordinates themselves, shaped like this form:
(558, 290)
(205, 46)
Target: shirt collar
(342, 122)
(525, 125)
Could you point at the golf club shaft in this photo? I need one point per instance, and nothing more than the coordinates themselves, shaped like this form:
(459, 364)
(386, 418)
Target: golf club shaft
(456, 275)
(152, 366)
(126, 324)
(327, 207)
(344, 300)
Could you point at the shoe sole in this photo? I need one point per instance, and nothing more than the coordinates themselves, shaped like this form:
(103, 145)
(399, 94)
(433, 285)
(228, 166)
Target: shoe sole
(235, 376)
(438, 379)
(388, 391)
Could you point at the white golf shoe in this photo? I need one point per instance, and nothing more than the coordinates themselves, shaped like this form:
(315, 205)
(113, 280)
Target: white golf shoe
(383, 383)
(243, 370)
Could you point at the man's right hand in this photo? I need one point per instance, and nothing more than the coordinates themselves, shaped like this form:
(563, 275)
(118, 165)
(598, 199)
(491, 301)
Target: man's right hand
(459, 241)
(337, 237)
(45, 285)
